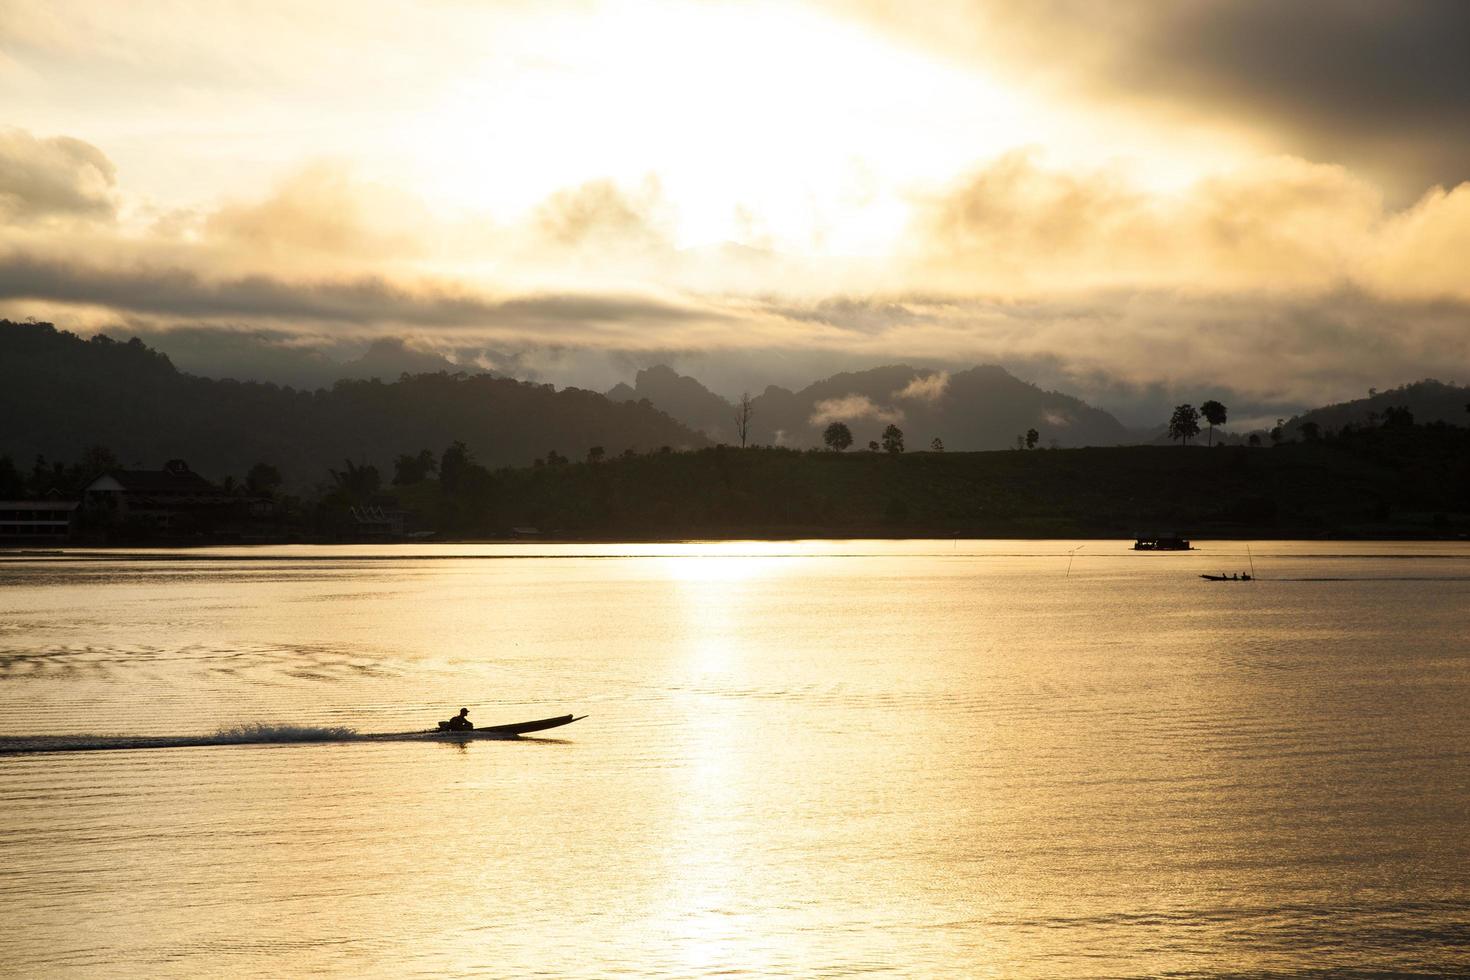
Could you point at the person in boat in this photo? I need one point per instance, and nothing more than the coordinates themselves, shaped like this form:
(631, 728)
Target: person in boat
(461, 721)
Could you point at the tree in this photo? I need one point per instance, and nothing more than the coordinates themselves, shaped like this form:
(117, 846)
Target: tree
(1214, 414)
(357, 483)
(1254, 439)
(1278, 432)
(1032, 438)
(595, 454)
(454, 463)
(413, 469)
(1397, 417)
(1184, 424)
(837, 436)
(937, 446)
(263, 479)
(743, 412)
(96, 461)
(893, 439)
(873, 445)
(1311, 431)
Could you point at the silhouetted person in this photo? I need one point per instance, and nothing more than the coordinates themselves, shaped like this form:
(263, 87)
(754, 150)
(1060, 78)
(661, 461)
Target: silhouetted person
(460, 723)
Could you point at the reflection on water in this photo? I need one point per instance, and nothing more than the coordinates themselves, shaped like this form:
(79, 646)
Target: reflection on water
(919, 758)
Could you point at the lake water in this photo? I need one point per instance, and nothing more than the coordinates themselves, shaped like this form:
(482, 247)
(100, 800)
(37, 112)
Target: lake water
(1000, 758)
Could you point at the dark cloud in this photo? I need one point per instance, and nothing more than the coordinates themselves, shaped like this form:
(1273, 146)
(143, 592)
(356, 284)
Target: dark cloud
(1379, 85)
(57, 177)
(1384, 83)
(365, 301)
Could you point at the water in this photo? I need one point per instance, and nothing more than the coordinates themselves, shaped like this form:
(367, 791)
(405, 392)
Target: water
(801, 759)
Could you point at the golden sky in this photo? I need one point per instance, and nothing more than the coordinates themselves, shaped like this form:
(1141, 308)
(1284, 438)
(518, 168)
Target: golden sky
(1262, 196)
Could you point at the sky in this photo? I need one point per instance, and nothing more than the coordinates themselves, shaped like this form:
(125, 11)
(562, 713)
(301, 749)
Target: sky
(1134, 202)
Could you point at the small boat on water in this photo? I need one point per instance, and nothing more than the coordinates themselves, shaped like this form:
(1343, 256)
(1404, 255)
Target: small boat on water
(1227, 578)
(505, 731)
(1161, 542)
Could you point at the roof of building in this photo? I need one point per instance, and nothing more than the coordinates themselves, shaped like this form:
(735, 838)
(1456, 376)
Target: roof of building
(174, 477)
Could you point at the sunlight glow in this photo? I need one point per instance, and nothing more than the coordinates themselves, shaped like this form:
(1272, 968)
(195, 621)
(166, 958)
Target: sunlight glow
(784, 112)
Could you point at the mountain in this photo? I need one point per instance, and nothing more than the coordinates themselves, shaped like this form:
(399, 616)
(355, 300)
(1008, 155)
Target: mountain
(682, 397)
(261, 355)
(980, 408)
(389, 357)
(983, 407)
(69, 394)
(1427, 400)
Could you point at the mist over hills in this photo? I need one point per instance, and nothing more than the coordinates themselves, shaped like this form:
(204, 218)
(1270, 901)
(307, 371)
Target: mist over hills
(1428, 400)
(980, 408)
(68, 394)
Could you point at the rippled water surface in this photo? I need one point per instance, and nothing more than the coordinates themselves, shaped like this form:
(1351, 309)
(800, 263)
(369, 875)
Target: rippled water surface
(1010, 759)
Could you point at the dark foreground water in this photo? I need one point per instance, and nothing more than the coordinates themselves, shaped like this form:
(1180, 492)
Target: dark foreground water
(812, 759)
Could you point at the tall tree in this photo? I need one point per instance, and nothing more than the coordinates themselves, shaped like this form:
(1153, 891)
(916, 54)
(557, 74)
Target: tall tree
(1184, 424)
(837, 436)
(1214, 414)
(743, 412)
(408, 470)
(1032, 438)
(263, 479)
(893, 439)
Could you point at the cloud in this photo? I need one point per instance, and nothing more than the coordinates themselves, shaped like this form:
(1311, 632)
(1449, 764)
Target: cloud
(320, 209)
(363, 302)
(1281, 224)
(851, 407)
(600, 214)
(1381, 85)
(56, 178)
(925, 388)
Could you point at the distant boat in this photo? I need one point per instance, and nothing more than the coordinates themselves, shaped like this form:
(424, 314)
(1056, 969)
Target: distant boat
(1227, 578)
(1162, 542)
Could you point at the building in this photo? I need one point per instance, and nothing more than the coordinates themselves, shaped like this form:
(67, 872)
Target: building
(36, 520)
(173, 498)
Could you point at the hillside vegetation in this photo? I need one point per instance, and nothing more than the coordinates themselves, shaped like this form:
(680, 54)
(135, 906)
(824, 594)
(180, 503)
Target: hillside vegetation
(1406, 482)
(61, 394)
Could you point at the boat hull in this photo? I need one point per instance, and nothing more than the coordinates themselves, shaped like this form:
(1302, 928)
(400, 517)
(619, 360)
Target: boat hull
(512, 730)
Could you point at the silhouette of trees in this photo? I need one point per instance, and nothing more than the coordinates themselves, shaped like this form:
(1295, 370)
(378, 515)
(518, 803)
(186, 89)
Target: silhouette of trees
(873, 446)
(1184, 424)
(937, 446)
(837, 436)
(893, 439)
(1254, 439)
(263, 479)
(356, 483)
(595, 454)
(1214, 414)
(1032, 438)
(1278, 432)
(12, 483)
(1397, 417)
(1311, 431)
(408, 470)
(744, 410)
(96, 461)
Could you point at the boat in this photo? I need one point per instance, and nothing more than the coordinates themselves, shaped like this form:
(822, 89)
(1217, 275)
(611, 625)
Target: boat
(506, 731)
(1227, 578)
(1161, 542)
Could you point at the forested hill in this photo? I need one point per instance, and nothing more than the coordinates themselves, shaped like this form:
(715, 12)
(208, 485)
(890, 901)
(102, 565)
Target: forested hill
(60, 394)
